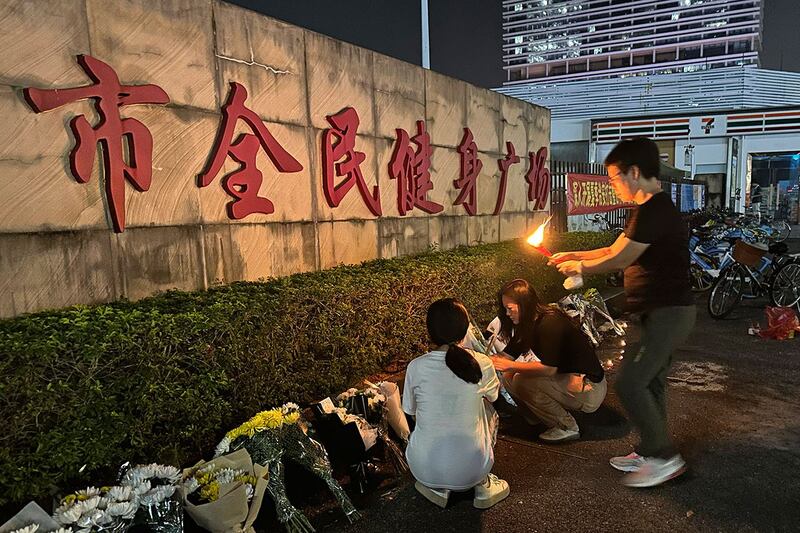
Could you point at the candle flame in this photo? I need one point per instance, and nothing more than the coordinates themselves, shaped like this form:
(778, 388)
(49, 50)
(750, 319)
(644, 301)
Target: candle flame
(538, 236)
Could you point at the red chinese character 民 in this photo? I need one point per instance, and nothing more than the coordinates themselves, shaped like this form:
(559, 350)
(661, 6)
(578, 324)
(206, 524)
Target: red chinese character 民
(468, 174)
(340, 158)
(411, 169)
(244, 183)
(109, 96)
(504, 164)
(538, 178)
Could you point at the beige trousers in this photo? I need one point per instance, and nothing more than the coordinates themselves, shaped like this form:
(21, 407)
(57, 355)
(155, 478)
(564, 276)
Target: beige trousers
(549, 397)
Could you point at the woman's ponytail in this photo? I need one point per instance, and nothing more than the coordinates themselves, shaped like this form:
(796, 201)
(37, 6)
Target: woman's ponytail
(463, 365)
(447, 323)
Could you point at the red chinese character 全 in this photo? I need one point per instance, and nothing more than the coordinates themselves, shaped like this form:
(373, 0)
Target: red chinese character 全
(411, 169)
(338, 143)
(468, 174)
(109, 96)
(504, 164)
(538, 178)
(244, 183)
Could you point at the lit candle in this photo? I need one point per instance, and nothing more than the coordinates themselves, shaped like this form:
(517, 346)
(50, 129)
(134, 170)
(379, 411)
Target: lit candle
(537, 238)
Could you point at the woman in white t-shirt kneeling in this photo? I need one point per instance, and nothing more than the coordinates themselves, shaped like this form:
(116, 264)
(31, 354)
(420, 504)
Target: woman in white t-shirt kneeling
(448, 391)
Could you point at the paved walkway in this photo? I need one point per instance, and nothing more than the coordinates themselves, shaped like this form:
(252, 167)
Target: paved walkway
(735, 414)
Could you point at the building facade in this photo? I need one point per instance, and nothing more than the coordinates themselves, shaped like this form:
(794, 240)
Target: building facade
(683, 72)
(559, 40)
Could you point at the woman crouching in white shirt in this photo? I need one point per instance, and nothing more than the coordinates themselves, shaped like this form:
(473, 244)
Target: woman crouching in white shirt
(448, 391)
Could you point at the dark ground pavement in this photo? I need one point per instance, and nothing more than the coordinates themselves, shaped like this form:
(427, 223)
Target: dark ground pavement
(734, 411)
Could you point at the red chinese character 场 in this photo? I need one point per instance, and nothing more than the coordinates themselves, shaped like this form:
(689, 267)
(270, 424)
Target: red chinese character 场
(411, 169)
(504, 164)
(244, 183)
(468, 174)
(341, 159)
(109, 96)
(538, 178)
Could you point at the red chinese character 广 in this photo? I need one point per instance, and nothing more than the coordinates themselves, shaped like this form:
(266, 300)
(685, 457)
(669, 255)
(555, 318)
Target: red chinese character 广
(109, 96)
(341, 159)
(244, 183)
(411, 169)
(468, 173)
(504, 164)
(538, 178)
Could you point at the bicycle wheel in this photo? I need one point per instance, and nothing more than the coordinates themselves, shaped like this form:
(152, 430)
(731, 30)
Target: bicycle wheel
(726, 292)
(782, 230)
(784, 290)
(699, 279)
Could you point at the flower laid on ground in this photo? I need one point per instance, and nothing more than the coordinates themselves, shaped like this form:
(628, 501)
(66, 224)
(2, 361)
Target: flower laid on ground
(288, 413)
(203, 486)
(275, 434)
(224, 494)
(93, 509)
(153, 485)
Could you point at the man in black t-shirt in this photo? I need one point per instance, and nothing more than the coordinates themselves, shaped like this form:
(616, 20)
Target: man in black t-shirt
(653, 250)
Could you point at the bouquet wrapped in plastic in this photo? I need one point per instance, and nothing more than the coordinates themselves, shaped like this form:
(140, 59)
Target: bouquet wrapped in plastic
(475, 341)
(159, 506)
(32, 519)
(225, 494)
(273, 435)
(107, 509)
(592, 315)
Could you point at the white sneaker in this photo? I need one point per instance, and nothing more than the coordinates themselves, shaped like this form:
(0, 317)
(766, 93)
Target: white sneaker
(436, 496)
(490, 492)
(629, 463)
(557, 434)
(655, 471)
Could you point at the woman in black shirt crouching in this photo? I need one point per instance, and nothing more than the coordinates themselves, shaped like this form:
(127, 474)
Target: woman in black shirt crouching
(567, 375)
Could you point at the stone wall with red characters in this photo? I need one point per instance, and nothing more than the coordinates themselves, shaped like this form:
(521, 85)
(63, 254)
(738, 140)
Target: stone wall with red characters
(177, 144)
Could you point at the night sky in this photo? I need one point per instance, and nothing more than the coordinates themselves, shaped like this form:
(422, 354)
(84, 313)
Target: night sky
(466, 35)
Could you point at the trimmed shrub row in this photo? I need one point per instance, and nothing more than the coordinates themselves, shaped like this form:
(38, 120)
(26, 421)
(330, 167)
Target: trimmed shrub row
(84, 389)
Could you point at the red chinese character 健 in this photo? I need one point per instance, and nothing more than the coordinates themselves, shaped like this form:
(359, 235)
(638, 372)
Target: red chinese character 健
(109, 96)
(244, 183)
(411, 169)
(538, 178)
(340, 158)
(468, 173)
(504, 164)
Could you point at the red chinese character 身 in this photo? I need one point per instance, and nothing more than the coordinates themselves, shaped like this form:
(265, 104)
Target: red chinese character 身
(538, 178)
(244, 183)
(109, 96)
(411, 169)
(338, 144)
(504, 164)
(468, 173)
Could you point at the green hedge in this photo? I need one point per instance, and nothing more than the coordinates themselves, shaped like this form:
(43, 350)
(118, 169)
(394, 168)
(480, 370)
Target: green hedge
(84, 389)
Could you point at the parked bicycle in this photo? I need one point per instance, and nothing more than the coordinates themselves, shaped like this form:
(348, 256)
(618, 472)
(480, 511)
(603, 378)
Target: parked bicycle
(753, 272)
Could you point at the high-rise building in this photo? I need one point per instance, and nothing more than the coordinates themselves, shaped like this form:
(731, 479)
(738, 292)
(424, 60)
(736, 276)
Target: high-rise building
(683, 72)
(559, 40)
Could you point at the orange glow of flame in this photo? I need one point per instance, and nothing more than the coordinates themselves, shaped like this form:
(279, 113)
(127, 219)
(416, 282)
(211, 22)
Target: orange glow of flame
(537, 237)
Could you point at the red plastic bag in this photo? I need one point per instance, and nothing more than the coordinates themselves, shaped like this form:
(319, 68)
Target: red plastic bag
(782, 323)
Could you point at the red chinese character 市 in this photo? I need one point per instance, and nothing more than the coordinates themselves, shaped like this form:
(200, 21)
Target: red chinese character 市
(538, 178)
(504, 164)
(411, 169)
(244, 183)
(468, 173)
(341, 159)
(109, 96)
